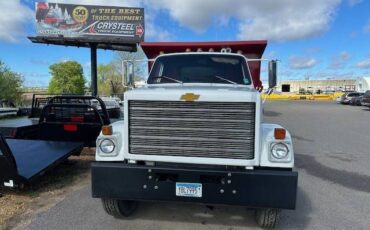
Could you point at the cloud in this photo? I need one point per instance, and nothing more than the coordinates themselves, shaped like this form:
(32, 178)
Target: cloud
(157, 33)
(13, 18)
(153, 31)
(283, 20)
(364, 64)
(35, 61)
(339, 61)
(366, 28)
(299, 62)
(353, 3)
(312, 50)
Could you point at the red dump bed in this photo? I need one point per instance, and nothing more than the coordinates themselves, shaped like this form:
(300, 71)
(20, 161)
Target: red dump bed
(250, 49)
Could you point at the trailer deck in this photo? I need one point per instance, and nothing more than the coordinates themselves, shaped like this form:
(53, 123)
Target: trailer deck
(23, 161)
(23, 127)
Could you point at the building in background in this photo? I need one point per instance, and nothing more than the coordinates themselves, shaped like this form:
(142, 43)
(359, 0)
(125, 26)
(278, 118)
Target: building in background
(363, 84)
(316, 86)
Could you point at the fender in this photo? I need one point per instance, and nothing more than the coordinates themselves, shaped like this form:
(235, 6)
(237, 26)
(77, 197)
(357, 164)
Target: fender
(117, 138)
(267, 138)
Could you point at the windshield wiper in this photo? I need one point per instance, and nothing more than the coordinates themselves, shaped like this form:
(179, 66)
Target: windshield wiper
(225, 79)
(170, 78)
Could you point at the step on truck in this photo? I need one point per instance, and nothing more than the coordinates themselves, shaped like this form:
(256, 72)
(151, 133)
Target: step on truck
(195, 133)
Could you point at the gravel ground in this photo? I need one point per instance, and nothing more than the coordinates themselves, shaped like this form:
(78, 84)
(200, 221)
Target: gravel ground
(332, 157)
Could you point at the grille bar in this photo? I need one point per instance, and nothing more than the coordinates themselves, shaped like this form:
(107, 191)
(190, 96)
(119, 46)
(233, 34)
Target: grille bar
(192, 129)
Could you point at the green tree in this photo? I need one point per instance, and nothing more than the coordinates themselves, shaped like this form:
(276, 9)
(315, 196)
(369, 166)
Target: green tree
(109, 80)
(67, 77)
(10, 84)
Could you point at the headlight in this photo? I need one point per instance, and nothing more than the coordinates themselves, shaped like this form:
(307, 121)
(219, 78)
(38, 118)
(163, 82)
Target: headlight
(279, 151)
(107, 146)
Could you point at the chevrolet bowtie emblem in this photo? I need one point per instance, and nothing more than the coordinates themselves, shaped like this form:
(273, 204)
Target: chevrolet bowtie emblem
(189, 97)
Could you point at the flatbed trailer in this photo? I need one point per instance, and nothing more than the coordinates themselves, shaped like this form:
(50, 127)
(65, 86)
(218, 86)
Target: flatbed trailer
(8, 111)
(19, 128)
(29, 147)
(22, 162)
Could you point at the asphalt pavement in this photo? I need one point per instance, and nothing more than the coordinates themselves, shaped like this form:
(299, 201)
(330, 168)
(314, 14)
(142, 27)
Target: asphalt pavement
(332, 146)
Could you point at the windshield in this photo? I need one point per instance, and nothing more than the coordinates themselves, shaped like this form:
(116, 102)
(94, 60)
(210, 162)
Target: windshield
(200, 68)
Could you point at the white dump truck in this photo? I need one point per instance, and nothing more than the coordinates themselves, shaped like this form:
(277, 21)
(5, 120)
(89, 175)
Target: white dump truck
(195, 133)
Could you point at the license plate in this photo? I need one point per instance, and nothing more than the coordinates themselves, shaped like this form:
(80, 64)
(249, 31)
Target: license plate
(189, 189)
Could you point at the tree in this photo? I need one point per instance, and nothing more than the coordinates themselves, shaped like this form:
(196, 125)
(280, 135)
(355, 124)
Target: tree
(109, 80)
(140, 67)
(67, 77)
(10, 84)
(110, 75)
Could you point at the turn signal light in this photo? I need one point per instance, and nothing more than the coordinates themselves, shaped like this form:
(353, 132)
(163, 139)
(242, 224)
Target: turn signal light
(107, 130)
(280, 134)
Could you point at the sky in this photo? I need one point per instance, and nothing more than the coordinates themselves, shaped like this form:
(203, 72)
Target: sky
(313, 39)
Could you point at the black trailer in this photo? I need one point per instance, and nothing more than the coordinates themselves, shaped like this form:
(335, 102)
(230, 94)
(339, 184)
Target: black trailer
(29, 148)
(73, 118)
(60, 118)
(23, 161)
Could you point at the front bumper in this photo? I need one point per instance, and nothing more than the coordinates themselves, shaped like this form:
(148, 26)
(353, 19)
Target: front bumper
(260, 188)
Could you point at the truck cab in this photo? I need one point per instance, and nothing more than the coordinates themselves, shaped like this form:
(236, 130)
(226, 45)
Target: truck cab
(195, 133)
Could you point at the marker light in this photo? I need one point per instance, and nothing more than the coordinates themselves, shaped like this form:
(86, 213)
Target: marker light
(279, 133)
(107, 130)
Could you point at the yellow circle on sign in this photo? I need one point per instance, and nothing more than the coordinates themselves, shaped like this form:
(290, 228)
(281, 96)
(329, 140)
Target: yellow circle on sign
(80, 14)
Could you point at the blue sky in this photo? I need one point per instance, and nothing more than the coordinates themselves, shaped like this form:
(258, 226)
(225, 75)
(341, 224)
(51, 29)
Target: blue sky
(316, 39)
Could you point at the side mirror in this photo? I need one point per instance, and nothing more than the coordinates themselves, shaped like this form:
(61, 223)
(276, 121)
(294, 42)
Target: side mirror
(128, 74)
(272, 73)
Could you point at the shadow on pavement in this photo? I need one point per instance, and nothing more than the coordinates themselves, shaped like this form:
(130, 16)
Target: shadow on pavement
(271, 113)
(347, 179)
(196, 213)
(227, 216)
(299, 218)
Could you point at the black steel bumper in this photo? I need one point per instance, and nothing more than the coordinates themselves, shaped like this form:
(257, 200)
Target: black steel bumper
(255, 188)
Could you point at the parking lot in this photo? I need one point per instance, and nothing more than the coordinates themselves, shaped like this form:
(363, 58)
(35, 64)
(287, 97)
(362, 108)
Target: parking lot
(332, 157)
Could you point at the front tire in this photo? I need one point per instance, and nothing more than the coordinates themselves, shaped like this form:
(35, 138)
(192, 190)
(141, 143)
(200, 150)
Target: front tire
(119, 208)
(267, 218)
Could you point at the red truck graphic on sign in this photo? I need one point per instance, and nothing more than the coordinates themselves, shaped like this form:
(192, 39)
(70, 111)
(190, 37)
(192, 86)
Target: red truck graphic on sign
(139, 30)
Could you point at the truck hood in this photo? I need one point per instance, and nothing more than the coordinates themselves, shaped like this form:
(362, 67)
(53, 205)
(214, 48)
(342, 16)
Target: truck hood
(204, 92)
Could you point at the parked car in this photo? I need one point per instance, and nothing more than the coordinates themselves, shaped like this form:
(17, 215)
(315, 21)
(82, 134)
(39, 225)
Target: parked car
(366, 99)
(356, 101)
(346, 98)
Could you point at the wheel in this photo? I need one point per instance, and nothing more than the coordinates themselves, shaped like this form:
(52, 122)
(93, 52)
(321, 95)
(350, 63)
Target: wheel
(267, 218)
(119, 208)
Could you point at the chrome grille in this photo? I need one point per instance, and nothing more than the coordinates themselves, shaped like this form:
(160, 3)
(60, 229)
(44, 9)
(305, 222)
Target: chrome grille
(192, 129)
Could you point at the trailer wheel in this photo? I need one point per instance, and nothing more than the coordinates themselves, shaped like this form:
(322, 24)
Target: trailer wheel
(267, 218)
(119, 208)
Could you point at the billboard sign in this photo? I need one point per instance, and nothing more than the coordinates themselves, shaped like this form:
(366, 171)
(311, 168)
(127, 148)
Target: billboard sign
(54, 19)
